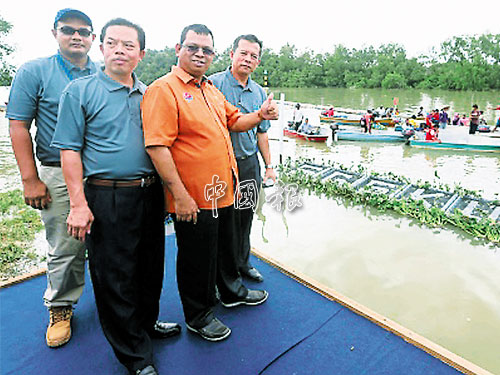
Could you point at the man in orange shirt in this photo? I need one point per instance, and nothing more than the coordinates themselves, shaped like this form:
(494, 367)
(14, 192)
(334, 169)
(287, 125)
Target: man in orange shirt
(186, 124)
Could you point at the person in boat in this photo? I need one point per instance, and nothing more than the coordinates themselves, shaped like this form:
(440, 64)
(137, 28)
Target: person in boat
(119, 210)
(34, 95)
(464, 121)
(497, 124)
(298, 117)
(456, 119)
(369, 118)
(443, 118)
(431, 133)
(305, 128)
(420, 112)
(186, 126)
(474, 119)
(330, 112)
(240, 90)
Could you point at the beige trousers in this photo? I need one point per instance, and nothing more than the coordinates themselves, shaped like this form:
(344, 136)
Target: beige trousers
(66, 255)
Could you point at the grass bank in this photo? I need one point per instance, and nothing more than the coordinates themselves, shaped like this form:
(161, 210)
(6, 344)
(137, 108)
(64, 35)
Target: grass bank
(19, 224)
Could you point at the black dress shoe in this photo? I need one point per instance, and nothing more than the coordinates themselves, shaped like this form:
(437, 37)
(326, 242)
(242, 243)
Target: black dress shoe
(162, 330)
(253, 274)
(149, 370)
(253, 298)
(213, 331)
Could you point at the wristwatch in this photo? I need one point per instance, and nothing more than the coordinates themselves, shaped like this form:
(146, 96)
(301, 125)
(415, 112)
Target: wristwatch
(269, 166)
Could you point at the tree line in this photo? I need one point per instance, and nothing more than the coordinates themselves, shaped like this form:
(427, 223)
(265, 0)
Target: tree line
(461, 63)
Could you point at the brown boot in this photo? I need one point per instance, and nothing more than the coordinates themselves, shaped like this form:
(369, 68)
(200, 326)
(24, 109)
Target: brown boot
(59, 329)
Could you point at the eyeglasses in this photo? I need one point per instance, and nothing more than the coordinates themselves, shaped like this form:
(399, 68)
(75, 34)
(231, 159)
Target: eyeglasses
(193, 49)
(68, 30)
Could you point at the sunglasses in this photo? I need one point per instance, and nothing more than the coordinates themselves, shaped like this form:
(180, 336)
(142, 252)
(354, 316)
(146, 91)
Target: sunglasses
(193, 49)
(68, 30)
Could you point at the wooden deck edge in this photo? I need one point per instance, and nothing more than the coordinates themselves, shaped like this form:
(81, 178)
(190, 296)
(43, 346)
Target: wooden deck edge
(437, 351)
(19, 279)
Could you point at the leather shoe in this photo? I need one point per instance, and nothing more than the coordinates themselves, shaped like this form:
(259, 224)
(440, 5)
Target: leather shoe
(213, 331)
(253, 274)
(162, 330)
(149, 370)
(253, 298)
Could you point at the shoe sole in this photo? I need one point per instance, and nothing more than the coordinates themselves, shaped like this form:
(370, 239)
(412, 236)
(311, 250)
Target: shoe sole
(234, 304)
(58, 344)
(213, 339)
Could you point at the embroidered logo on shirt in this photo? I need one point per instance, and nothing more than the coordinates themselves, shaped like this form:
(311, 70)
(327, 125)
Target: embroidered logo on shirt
(188, 97)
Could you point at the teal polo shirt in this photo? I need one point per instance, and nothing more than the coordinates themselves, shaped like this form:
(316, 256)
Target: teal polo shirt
(248, 99)
(35, 93)
(101, 118)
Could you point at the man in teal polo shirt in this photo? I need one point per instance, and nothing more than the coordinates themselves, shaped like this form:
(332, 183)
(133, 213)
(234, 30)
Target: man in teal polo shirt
(240, 90)
(35, 95)
(119, 211)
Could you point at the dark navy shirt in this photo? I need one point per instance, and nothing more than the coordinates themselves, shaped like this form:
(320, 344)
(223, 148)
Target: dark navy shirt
(248, 99)
(102, 118)
(35, 94)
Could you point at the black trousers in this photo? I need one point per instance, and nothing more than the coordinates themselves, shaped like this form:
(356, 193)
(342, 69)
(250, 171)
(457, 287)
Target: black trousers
(473, 128)
(126, 261)
(206, 258)
(248, 169)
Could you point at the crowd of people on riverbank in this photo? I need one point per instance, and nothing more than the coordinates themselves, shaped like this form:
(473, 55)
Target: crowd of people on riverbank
(117, 156)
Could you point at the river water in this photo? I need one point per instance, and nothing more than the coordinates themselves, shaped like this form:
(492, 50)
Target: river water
(440, 283)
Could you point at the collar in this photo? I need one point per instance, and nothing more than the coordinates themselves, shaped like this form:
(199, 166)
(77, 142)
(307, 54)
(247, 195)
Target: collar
(186, 77)
(234, 82)
(112, 85)
(71, 66)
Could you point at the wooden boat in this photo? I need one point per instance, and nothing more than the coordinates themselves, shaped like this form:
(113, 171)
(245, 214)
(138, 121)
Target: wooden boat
(367, 137)
(455, 146)
(327, 119)
(385, 121)
(346, 121)
(321, 137)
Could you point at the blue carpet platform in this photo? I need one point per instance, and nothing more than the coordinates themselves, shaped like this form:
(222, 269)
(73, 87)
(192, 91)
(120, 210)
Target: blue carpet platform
(297, 331)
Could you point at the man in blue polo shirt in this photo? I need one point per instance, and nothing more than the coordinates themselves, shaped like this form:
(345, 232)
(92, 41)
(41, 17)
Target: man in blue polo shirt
(240, 90)
(35, 95)
(119, 211)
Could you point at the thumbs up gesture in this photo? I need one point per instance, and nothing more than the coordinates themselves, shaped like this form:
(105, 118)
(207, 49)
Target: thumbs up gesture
(269, 109)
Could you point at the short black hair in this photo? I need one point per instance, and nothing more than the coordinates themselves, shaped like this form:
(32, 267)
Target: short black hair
(250, 38)
(198, 28)
(141, 35)
(475, 106)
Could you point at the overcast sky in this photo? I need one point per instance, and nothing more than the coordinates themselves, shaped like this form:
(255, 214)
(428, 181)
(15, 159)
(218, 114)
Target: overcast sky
(418, 25)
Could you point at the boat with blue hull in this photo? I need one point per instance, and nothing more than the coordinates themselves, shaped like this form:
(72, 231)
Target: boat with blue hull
(369, 137)
(455, 146)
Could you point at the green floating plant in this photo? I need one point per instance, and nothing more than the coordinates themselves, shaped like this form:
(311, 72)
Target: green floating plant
(433, 217)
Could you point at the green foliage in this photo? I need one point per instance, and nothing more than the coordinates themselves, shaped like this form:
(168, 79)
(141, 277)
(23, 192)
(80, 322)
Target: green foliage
(485, 228)
(6, 69)
(18, 225)
(461, 63)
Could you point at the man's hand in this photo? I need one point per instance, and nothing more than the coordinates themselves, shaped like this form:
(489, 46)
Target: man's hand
(186, 208)
(270, 174)
(269, 109)
(79, 221)
(36, 194)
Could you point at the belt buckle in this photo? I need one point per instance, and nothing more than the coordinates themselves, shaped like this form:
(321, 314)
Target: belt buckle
(143, 182)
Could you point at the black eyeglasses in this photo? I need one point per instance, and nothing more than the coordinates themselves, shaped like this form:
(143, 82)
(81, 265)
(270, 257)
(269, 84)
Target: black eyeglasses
(68, 30)
(193, 49)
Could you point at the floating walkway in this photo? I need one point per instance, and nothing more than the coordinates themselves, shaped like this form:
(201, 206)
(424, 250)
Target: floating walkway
(303, 328)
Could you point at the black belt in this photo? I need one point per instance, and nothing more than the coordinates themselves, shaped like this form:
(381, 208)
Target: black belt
(51, 163)
(245, 157)
(140, 182)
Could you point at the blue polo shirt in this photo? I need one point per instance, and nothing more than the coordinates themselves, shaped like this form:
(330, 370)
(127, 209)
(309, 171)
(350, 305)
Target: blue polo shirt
(35, 94)
(248, 99)
(101, 118)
